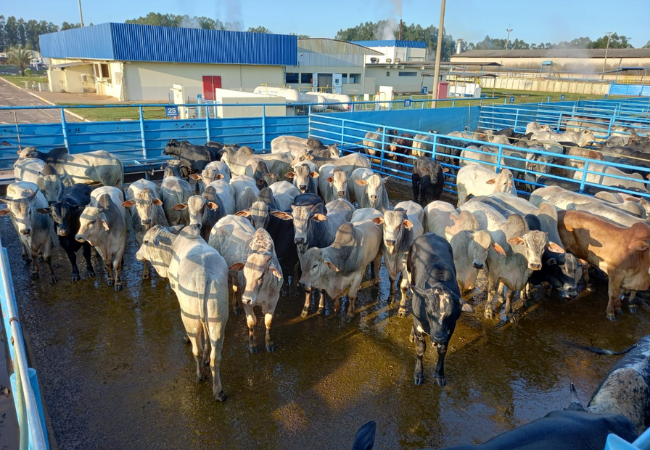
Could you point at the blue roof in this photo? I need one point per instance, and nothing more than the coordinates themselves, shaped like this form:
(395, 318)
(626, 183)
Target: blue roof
(392, 43)
(131, 42)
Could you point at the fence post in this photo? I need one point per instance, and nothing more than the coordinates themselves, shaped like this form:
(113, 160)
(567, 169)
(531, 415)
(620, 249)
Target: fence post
(435, 146)
(499, 158)
(516, 119)
(505, 101)
(480, 103)
(548, 99)
(585, 169)
(207, 124)
(142, 137)
(342, 131)
(64, 126)
(609, 128)
(263, 127)
(559, 123)
(383, 141)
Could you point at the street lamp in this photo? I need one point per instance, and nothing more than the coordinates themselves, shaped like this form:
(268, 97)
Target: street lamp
(507, 41)
(81, 16)
(436, 72)
(609, 35)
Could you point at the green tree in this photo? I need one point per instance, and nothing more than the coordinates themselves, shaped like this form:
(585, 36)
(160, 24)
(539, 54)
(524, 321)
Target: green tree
(2, 33)
(615, 41)
(69, 26)
(259, 29)
(22, 35)
(11, 32)
(19, 56)
(299, 36)
(647, 45)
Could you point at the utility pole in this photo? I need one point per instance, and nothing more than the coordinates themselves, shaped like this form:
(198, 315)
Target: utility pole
(507, 40)
(436, 72)
(81, 15)
(609, 35)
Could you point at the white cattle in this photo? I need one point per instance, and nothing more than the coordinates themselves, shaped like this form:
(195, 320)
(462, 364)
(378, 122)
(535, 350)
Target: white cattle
(369, 189)
(477, 180)
(246, 191)
(333, 183)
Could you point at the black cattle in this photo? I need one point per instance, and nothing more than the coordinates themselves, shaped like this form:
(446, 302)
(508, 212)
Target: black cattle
(436, 298)
(558, 430)
(428, 180)
(196, 157)
(65, 214)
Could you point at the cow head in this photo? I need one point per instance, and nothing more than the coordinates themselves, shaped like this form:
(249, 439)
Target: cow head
(145, 201)
(172, 148)
(480, 244)
(532, 245)
(338, 182)
(586, 136)
(62, 214)
(395, 225)
(28, 152)
(93, 224)
(263, 178)
(259, 214)
(157, 249)
(571, 274)
(315, 269)
(197, 206)
(210, 174)
(305, 155)
(333, 151)
(442, 308)
(302, 176)
(303, 219)
(22, 211)
(503, 182)
(374, 188)
(52, 183)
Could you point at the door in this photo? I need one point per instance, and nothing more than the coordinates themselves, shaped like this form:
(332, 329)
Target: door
(337, 82)
(210, 83)
(324, 80)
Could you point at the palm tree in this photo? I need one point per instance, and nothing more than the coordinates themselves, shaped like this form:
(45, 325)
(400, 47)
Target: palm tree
(19, 56)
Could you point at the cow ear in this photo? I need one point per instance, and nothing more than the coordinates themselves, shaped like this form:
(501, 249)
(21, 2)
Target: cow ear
(313, 174)
(552, 246)
(583, 261)
(330, 180)
(219, 176)
(407, 224)
(492, 181)
(244, 213)
(320, 217)
(128, 203)
(43, 210)
(179, 206)
(310, 157)
(4, 212)
(105, 225)
(276, 272)
(213, 206)
(516, 241)
(361, 182)
(497, 248)
(157, 202)
(290, 175)
(446, 169)
(378, 220)
(196, 176)
(466, 307)
(640, 245)
(281, 215)
(237, 266)
(331, 265)
(384, 180)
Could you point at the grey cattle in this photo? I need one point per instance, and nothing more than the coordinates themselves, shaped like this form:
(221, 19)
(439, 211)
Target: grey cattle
(283, 194)
(33, 228)
(401, 227)
(296, 145)
(305, 177)
(422, 145)
(477, 180)
(103, 225)
(369, 189)
(373, 141)
(343, 264)
(202, 212)
(534, 127)
(263, 277)
(198, 275)
(636, 206)
(603, 176)
(470, 250)
(213, 171)
(43, 175)
(443, 219)
(98, 166)
(276, 163)
(246, 191)
(333, 183)
(581, 138)
(347, 163)
(173, 191)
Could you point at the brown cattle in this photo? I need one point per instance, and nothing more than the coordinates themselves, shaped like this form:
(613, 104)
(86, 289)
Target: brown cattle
(620, 252)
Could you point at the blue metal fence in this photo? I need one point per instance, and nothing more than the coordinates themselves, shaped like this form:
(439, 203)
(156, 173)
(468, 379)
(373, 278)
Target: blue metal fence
(629, 89)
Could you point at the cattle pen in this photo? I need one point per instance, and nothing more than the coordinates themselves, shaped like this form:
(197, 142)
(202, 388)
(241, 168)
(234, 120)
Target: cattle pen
(113, 371)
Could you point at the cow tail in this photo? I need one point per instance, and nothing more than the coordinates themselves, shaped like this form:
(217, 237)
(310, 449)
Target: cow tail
(600, 351)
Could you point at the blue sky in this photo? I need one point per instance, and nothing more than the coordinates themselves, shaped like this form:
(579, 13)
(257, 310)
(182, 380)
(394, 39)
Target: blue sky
(532, 21)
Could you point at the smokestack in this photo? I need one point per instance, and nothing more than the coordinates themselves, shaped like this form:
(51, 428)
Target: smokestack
(459, 46)
(400, 30)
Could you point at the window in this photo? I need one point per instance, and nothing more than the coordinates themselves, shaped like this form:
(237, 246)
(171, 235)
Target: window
(291, 78)
(407, 74)
(102, 71)
(355, 78)
(345, 78)
(387, 74)
(305, 78)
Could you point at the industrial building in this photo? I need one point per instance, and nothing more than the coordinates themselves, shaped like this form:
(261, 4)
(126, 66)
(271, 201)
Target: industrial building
(142, 62)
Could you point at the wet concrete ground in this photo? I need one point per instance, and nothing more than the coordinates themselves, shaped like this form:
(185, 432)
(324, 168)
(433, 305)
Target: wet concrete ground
(116, 374)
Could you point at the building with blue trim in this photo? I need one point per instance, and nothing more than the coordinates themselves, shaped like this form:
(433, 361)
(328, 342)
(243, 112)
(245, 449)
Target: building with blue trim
(141, 62)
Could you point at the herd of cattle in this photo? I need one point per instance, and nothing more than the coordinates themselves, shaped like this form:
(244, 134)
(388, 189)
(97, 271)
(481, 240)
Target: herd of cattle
(229, 232)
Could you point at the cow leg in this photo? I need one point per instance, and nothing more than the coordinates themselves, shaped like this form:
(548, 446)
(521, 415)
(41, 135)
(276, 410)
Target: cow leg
(420, 348)
(117, 267)
(321, 302)
(501, 294)
(489, 307)
(510, 294)
(440, 366)
(35, 272)
(404, 288)
(47, 248)
(197, 350)
(352, 294)
(216, 333)
(376, 264)
(268, 319)
(631, 301)
(235, 295)
(305, 308)
(68, 247)
(415, 182)
(337, 305)
(614, 291)
(26, 252)
(87, 256)
(146, 273)
(109, 271)
(251, 321)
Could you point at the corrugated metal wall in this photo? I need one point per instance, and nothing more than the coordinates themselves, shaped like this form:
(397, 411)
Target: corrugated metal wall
(89, 42)
(130, 42)
(392, 43)
(629, 89)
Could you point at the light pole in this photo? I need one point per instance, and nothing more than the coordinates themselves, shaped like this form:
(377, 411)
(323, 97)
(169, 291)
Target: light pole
(507, 40)
(81, 15)
(609, 35)
(436, 72)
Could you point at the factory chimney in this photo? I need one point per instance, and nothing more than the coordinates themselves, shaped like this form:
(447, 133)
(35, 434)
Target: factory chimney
(459, 46)
(400, 30)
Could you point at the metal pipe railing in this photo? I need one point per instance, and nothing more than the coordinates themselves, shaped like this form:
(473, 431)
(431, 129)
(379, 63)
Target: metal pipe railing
(14, 336)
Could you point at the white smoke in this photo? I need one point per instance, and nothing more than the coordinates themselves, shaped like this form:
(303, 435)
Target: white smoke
(387, 30)
(190, 22)
(234, 21)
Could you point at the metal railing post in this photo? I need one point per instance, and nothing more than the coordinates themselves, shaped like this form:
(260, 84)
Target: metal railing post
(516, 119)
(263, 127)
(64, 127)
(142, 135)
(585, 169)
(498, 169)
(559, 123)
(434, 148)
(383, 148)
(453, 103)
(207, 124)
(548, 99)
(342, 131)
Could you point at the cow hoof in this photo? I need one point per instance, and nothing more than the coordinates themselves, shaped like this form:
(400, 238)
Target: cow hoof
(634, 309)
(34, 275)
(401, 312)
(611, 317)
(118, 287)
(146, 276)
(270, 348)
(489, 314)
(254, 350)
(201, 377)
(220, 397)
(441, 381)
(236, 311)
(511, 318)
(304, 313)
(320, 311)
(590, 288)
(76, 277)
(110, 282)
(40, 259)
(90, 274)
(419, 379)
(54, 279)
(186, 339)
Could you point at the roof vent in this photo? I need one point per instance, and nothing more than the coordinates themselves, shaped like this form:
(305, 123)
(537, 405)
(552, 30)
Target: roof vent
(388, 60)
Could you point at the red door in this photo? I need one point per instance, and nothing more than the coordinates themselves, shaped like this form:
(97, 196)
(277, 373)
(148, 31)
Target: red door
(210, 83)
